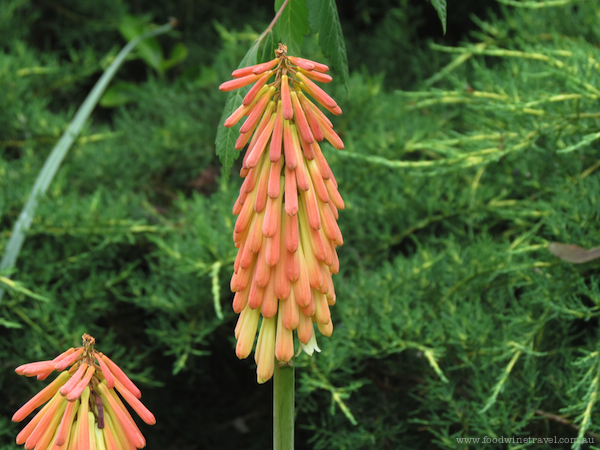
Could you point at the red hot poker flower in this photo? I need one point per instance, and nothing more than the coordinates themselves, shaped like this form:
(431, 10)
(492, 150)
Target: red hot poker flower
(286, 231)
(82, 409)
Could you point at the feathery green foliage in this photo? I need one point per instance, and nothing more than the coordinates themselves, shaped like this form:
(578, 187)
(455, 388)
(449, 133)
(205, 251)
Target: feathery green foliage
(453, 319)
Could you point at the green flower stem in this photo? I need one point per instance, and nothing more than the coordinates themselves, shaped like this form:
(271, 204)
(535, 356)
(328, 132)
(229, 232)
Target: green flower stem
(283, 407)
(13, 247)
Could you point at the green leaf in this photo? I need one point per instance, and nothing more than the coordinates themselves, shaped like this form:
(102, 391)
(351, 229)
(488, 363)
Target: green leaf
(267, 48)
(216, 288)
(323, 18)
(13, 285)
(292, 25)
(149, 50)
(119, 94)
(226, 137)
(440, 7)
(8, 324)
(179, 53)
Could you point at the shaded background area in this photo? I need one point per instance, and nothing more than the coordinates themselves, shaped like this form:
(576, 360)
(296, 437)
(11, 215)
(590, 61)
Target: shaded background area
(454, 186)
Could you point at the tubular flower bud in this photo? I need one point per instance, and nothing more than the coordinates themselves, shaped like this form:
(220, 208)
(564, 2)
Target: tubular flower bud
(286, 231)
(82, 410)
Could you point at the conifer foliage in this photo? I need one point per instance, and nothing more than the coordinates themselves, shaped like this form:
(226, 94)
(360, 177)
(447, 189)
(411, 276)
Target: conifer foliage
(286, 230)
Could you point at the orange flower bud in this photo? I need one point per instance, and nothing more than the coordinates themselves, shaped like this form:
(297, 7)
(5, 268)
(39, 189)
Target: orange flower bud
(265, 350)
(319, 94)
(270, 301)
(256, 69)
(290, 312)
(286, 100)
(301, 121)
(257, 112)
(307, 65)
(276, 138)
(238, 83)
(256, 88)
(310, 117)
(300, 62)
(275, 180)
(260, 68)
(317, 76)
(284, 342)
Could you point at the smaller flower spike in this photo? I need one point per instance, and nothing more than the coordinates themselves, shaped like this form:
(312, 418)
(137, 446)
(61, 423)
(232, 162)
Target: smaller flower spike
(286, 231)
(82, 410)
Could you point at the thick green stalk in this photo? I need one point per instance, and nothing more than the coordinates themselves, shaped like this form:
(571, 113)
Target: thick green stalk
(283, 407)
(13, 248)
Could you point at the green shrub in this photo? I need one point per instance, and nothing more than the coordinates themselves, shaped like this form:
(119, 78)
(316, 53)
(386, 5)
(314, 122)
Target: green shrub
(453, 319)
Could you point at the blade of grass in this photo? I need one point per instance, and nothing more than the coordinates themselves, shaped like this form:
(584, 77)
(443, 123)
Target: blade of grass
(13, 248)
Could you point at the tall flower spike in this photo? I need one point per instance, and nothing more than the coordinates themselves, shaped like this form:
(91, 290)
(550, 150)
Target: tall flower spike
(286, 230)
(82, 410)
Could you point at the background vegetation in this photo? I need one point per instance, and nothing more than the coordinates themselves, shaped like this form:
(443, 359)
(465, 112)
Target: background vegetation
(465, 156)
